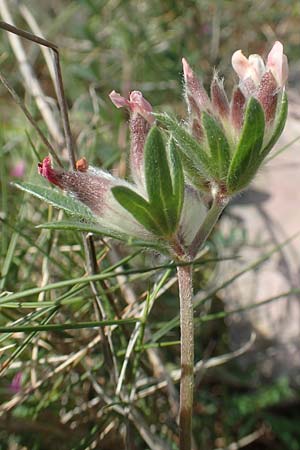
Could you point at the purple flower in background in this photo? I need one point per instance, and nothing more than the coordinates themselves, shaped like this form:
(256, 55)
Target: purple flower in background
(16, 384)
(18, 170)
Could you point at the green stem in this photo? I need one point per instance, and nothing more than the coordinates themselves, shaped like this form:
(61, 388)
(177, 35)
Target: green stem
(187, 355)
(210, 220)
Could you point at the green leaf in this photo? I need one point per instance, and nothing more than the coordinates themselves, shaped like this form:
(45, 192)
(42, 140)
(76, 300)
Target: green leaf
(188, 145)
(177, 180)
(158, 178)
(57, 199)
(194, 175)
(279, 125)
(139, 208)
(99, 229)
(246, 159)
(218, 144)
(67, 326)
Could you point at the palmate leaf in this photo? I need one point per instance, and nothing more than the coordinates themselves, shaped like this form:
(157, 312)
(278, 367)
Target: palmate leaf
(158, 180)
(218, 145)
(194, 175)
(177, 176)
(58, 199)
(246, 159)
(139, 208)
(187, 144)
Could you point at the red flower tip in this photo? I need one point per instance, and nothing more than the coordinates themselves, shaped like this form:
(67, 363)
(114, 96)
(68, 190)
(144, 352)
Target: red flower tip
(46, 170)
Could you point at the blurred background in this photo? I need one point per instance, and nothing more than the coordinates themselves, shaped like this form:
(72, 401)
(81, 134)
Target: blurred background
(252, 402)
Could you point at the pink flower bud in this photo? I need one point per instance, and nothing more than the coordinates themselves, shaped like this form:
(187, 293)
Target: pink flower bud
(88, 188)
(141, 118)
(267, 94)
(237, 109)
(194, 90)
(93, 188)
(277, 63)
(262, 81)
(219, 98)
(139, 129)
(136, 103)
(118, 100)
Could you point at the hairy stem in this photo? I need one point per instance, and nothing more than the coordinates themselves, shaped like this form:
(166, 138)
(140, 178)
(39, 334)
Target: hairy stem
(185, 284)
(187, 355)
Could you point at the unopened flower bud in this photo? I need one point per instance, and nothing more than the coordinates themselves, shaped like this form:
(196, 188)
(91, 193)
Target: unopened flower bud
(267, 95)
(141, 119)
(93, 188)
(196, 96)
(237, 109)
(219, 99)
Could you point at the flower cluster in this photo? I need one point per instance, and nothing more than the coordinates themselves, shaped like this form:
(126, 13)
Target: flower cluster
(225, 142)
(218, 150)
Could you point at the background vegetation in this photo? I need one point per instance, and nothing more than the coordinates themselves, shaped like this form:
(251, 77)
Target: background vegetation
(67, 395)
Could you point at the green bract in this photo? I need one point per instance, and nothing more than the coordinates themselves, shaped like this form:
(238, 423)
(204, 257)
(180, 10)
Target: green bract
(246, 157)
(160, 213)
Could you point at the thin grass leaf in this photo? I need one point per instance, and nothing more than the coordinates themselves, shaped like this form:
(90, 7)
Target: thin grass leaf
(26, 342)
(223, 314)
(68, 326)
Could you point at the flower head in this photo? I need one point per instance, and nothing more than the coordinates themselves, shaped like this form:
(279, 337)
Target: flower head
(225, 141)
(264, 81)
(219, 151)
(254, 68)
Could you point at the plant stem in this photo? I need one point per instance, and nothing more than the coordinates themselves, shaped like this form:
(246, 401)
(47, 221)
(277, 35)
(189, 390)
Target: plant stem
(185, 283)
(210, 220)
(187, 355)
